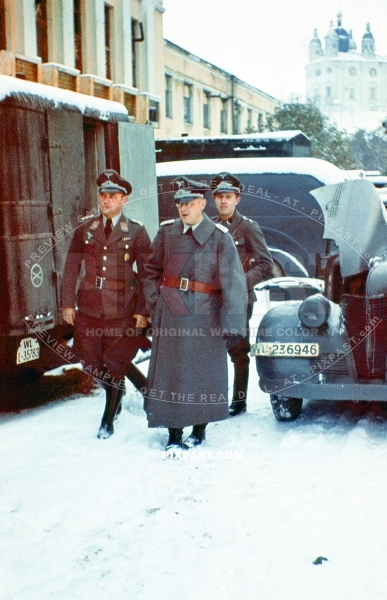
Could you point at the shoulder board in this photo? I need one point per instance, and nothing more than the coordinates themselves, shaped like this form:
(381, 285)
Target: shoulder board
(221, 227)
(247, 219)
(167, 222)
(138, 222)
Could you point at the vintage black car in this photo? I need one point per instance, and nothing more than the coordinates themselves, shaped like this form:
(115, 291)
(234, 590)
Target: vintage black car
(333, 346)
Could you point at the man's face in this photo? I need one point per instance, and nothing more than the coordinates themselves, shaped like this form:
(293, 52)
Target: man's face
(111, 204)
(191, 212)
(226, 203)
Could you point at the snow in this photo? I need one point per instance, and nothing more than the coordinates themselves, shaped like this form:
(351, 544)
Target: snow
(322, 170)
(350, 56)
(11, 85)
(89, 519)
(285, 135)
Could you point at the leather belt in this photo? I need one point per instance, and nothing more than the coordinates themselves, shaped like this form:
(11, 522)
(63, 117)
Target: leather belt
(186, 285)
(108, 284)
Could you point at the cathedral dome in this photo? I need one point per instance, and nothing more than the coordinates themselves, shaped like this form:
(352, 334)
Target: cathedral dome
(343, 35)
(368, 34)
(368, 43)
(351, 42)
(315, 48)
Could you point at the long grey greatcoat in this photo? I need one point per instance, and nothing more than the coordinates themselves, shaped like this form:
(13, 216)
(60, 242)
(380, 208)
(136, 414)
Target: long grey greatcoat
(187, 379)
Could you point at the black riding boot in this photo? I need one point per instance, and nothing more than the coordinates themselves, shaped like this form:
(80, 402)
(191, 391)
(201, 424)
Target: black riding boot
(241, 379)
(113, 401)
(136, 377)
(198, 435)
(175, 439)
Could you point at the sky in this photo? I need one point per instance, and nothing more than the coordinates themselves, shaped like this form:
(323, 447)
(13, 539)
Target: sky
(269, 510)
(266, 42)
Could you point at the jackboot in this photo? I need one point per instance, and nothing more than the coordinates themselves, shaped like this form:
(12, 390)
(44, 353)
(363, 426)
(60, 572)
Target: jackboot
(136, 377)
(198, 435)
(113, 401)
(175, 439)
(241, 380)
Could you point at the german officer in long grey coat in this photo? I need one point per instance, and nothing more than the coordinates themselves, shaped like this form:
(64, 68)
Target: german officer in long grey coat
(196, 290)
(109, 305)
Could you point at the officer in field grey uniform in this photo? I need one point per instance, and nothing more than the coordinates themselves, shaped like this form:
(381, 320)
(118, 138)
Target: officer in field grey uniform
(257, 265)
(196, 291)
(108, 309)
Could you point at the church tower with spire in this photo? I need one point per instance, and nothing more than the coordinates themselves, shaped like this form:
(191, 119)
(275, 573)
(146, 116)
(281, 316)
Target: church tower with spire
(348, 86)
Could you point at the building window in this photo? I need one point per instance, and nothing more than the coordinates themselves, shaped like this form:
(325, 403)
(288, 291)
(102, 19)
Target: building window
(187, 103)
(42, 29)
(78, 34)
(237, 118)
(250, 128)
(223, 117)
(137, 36)
(352, 93)
(207, 110)
(168, 96)
(3, 43)
(372, 94)
(108, 38)
(153, 111)
(328, 92)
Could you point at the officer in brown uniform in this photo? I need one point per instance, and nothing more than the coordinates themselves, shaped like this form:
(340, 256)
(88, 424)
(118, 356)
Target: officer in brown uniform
(257, 265)
(102, 294)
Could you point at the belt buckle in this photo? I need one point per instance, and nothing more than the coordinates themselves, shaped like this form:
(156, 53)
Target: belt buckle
(99, 282)
(184, 283)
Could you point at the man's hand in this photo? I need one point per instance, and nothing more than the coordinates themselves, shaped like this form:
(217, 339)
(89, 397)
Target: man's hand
(68, 315)
(140, 321)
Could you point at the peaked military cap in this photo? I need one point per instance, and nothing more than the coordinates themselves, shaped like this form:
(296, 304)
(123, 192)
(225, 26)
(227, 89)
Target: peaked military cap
(110, 182)
(225, 182)
(188, 189)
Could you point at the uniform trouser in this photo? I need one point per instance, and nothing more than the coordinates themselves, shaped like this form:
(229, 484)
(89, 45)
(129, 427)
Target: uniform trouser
(105, 347)
(240, 358)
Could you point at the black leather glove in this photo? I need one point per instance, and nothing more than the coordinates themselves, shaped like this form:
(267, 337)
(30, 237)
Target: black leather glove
(232, 340)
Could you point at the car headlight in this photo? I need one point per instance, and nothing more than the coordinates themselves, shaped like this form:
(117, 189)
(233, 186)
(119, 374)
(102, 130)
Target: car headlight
(314, 311)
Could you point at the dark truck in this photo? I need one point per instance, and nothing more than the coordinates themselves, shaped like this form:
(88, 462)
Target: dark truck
(276, 194)
(333, 346)
(53, 144)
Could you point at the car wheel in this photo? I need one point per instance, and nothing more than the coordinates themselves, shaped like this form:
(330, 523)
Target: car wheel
(284, 408)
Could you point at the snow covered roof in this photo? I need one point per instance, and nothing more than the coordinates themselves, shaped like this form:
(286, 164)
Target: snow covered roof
(284, 136)
(349, 56)
(322, 170)
(31, 94)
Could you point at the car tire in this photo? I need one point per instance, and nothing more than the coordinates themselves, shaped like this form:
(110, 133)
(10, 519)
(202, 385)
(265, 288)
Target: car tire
(284, 408)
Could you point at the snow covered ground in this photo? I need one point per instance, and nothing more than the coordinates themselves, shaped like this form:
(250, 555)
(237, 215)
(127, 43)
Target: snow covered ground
(89, 519)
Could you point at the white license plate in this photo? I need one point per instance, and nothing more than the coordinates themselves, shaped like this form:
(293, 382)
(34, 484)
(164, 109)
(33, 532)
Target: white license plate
(290, 349)
(29, 349)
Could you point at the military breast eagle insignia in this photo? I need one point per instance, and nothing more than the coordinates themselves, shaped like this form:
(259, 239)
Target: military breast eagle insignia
(94, 225)
(124, 226)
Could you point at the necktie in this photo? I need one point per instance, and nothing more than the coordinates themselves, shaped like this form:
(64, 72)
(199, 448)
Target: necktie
(189, 231)
(108, 228)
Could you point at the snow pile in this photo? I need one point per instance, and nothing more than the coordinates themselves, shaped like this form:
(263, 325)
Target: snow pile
(10, 86)
(89, 519)
(322, 170)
